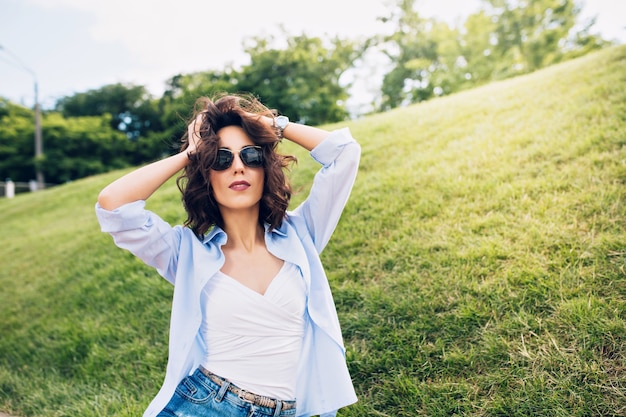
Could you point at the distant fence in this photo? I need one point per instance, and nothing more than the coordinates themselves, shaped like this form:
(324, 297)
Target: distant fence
(9, 188)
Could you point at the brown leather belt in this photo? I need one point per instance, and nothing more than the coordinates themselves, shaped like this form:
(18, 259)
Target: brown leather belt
(260, 400)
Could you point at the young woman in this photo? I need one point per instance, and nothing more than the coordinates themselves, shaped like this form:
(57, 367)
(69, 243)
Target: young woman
(254, 330)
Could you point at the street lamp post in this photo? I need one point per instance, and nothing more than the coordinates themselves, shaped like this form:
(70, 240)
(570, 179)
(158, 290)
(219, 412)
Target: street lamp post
(41, 183)
(38, 137)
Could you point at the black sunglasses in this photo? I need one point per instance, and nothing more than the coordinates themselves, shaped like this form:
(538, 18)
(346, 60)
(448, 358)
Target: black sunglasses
(251, 156)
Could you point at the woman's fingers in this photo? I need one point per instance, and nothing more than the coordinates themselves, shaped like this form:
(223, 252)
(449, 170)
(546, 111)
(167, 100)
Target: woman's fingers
(193, 132)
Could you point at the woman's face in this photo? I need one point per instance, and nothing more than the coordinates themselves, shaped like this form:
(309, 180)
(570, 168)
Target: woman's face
(238, 187)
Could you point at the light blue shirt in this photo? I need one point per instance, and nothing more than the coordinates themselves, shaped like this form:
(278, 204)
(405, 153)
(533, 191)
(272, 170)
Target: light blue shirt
(323, 383)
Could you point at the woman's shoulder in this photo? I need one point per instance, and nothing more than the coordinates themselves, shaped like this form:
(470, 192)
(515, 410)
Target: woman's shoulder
(293, 225)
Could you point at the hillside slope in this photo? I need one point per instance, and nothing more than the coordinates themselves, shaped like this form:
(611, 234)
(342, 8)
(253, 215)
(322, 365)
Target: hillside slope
(479, 268)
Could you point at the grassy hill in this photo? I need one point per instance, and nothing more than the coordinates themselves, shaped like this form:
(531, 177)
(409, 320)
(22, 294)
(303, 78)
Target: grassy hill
(478, 270)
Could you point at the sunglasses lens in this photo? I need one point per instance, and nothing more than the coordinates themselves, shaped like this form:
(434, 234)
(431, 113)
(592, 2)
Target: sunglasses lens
(223, 160)
(252, 156)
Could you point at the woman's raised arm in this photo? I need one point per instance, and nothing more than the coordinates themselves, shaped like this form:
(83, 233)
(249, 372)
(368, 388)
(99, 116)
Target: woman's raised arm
(306, 136)
(143, 182)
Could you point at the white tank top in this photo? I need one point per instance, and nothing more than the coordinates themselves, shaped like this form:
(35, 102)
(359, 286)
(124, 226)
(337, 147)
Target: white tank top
(254, 340)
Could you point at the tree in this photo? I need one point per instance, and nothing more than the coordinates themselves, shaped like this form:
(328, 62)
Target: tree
(449, 72)
(176, 104)
(413, 53)
(302, 80)
(477, 45)
(504, 39)
(133, 110)
(531, 34)
(16, 142)
(75, 147)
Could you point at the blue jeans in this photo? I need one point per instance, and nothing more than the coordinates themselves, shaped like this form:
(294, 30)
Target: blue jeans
(198, 396)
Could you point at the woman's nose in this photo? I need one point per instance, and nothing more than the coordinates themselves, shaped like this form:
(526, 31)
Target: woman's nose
(238, 163)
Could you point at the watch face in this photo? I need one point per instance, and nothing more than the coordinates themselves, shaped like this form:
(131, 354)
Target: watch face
(282, 121)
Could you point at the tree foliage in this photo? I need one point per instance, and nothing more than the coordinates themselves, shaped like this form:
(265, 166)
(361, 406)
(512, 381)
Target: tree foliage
(132, 109)
(17, 148)
(77, 147)
(503, 39)
(303, 77)
(529, 34)
(413, 53)
(74, 147)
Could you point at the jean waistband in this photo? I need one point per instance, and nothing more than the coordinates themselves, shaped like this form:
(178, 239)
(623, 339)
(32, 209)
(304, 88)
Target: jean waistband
(256, 399)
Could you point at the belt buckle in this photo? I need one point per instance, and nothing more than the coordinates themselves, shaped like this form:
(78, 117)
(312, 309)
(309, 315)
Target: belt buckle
(242, 396)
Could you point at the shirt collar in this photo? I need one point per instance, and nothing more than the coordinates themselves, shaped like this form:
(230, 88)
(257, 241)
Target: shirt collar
(280, 231)
(217, 235)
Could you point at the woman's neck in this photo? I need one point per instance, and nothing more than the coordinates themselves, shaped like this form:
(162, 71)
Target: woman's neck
(243, 230)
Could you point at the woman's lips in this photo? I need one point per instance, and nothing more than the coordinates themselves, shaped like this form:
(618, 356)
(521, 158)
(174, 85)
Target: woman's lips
(239, 185)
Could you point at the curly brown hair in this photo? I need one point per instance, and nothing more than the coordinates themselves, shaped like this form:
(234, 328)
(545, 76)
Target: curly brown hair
(232, 110)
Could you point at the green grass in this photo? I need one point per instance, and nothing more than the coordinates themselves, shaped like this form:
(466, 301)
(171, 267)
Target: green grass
(479, 268)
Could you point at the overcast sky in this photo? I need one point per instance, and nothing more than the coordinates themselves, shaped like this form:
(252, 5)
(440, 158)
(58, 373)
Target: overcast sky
(78, 45)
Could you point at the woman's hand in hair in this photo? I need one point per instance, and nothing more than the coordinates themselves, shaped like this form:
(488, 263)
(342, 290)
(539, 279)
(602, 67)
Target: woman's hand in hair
(193, 133)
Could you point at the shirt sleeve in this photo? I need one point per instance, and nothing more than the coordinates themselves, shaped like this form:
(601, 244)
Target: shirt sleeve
(339, 155)
(144, 234)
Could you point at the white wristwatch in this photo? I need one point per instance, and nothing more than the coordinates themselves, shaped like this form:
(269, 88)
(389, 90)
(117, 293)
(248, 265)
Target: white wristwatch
(280, 123)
